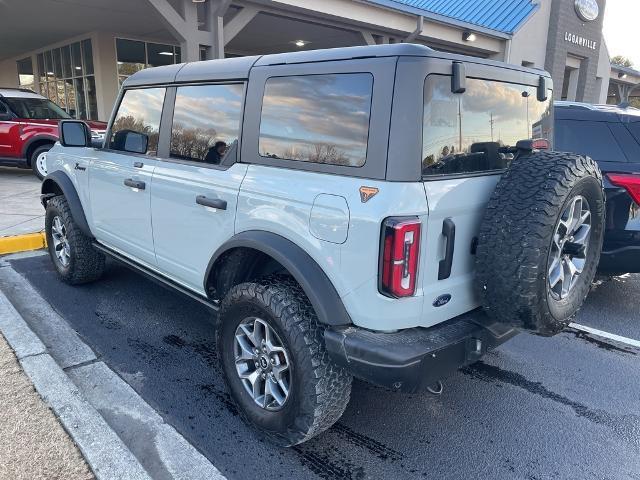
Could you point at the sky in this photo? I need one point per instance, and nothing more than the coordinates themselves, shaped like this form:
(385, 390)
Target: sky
(620, 27)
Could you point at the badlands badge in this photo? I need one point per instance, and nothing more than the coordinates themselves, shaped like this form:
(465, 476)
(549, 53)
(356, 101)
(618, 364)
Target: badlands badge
(367, 193)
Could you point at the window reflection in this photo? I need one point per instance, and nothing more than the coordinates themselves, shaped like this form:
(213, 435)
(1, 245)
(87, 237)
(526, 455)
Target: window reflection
(471, 132)
(317, 118)
(139, 112)
(206, 122)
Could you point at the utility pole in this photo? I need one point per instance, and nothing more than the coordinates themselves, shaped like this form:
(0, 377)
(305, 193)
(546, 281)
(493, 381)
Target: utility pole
(491, 123)
(459, 124)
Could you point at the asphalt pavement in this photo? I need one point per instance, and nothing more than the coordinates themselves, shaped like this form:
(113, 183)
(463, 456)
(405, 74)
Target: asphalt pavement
(567, 407)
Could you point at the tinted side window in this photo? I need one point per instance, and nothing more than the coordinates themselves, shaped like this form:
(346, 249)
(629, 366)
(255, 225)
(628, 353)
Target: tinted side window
(471, 132)
(634, 128)
(317, 118)
(206, 122)
(588, 138)
(139, 112)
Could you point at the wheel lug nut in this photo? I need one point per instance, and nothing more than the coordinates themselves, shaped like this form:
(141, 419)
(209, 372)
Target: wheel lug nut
(264, 376)
(273, 361)
(264, 349)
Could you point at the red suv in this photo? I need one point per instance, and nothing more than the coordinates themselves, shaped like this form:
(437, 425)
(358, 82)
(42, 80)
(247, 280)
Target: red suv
(29, 128)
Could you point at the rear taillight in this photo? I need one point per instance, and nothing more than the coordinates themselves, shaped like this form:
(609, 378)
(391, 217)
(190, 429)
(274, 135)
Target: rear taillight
(540, 144)
(630, 182)
(400, 249)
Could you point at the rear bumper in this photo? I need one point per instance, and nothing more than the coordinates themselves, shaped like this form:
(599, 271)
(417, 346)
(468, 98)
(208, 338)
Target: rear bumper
(413, 359)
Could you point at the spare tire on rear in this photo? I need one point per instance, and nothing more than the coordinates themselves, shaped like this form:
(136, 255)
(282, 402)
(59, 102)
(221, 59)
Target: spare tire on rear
(540, 241)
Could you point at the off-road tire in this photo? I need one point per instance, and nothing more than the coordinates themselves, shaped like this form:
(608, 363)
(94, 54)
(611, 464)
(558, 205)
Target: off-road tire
(320, 389)
(516, 236)
(86, 264)
(33, 159)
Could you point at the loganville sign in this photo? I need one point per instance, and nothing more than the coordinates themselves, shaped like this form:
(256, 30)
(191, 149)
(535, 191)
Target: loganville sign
(587, 10)
(580, 41)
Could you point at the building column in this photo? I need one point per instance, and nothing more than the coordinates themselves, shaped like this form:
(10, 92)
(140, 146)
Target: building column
(572, 92)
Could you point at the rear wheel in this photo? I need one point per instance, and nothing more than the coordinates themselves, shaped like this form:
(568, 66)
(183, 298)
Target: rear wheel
(38, 160)
(540, 241)
(278, 372)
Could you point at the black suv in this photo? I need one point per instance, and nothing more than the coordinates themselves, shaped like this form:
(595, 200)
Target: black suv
(610, 135)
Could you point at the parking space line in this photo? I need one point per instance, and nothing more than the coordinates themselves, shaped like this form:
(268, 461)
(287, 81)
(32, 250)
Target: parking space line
(611, 336)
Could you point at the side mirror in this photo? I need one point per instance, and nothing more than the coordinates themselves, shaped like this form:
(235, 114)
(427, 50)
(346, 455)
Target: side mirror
(74, 133)
(130, 141)
(458, 78)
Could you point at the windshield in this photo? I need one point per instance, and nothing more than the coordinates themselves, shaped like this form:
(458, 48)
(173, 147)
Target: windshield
(35, 108)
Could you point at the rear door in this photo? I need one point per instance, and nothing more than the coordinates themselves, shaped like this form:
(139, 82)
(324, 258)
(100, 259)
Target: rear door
(195, 186)
(464, 140)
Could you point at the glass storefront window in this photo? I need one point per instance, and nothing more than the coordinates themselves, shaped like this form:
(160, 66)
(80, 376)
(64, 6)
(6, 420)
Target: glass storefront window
(160, 54)
(25, 73)
(76, 59)
(66, 77)
(57, 63)
(66, 62)
(133, 56)
(87, 57)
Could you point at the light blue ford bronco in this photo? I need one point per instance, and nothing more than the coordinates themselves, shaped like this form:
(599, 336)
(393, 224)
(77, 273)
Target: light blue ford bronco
(386, 212)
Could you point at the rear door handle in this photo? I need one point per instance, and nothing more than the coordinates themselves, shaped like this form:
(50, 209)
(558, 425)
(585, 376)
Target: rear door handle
(138, 164)
(449, 233)
(130, 182)
(211, 202)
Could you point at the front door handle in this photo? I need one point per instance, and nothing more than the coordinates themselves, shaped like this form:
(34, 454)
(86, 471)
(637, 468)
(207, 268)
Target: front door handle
(211, 202)
(449, 233)
(130, 182)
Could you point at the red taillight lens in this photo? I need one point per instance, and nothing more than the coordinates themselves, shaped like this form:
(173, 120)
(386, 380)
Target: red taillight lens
(540, 144)
(630, 182)
(399, 256)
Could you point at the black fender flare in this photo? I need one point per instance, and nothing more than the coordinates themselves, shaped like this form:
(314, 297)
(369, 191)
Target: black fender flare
(38, 138)
(57, 182)
(305, 270)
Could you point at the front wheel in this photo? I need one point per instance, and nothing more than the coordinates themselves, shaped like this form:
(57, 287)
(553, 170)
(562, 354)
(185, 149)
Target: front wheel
(73, 256)
(277, 369)
(38, 161)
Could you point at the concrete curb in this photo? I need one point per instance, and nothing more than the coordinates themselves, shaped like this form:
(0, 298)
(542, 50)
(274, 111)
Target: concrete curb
(22, 243)
(105, 453)
(90, 398)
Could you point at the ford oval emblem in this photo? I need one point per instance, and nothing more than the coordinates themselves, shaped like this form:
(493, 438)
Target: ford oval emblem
(442, 300)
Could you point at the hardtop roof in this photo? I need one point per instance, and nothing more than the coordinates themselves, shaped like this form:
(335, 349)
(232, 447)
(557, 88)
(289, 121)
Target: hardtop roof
(238, 68)
(18, 93)
(596, 113)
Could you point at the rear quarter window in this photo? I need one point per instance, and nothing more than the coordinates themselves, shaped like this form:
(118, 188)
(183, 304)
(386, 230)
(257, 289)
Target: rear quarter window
(593, 139)
(320, 118)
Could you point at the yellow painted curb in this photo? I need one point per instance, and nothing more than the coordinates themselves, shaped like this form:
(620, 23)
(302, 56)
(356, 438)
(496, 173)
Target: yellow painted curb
(22, 243)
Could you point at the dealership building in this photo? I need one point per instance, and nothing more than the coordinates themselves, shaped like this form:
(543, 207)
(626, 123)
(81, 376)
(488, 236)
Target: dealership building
(78, 53)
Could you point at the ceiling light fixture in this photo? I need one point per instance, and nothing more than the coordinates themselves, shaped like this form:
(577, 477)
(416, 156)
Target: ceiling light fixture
(622, 75)
(300, 43)
(49, 73)
(78, 68)
(165, 53)
(469, 37)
